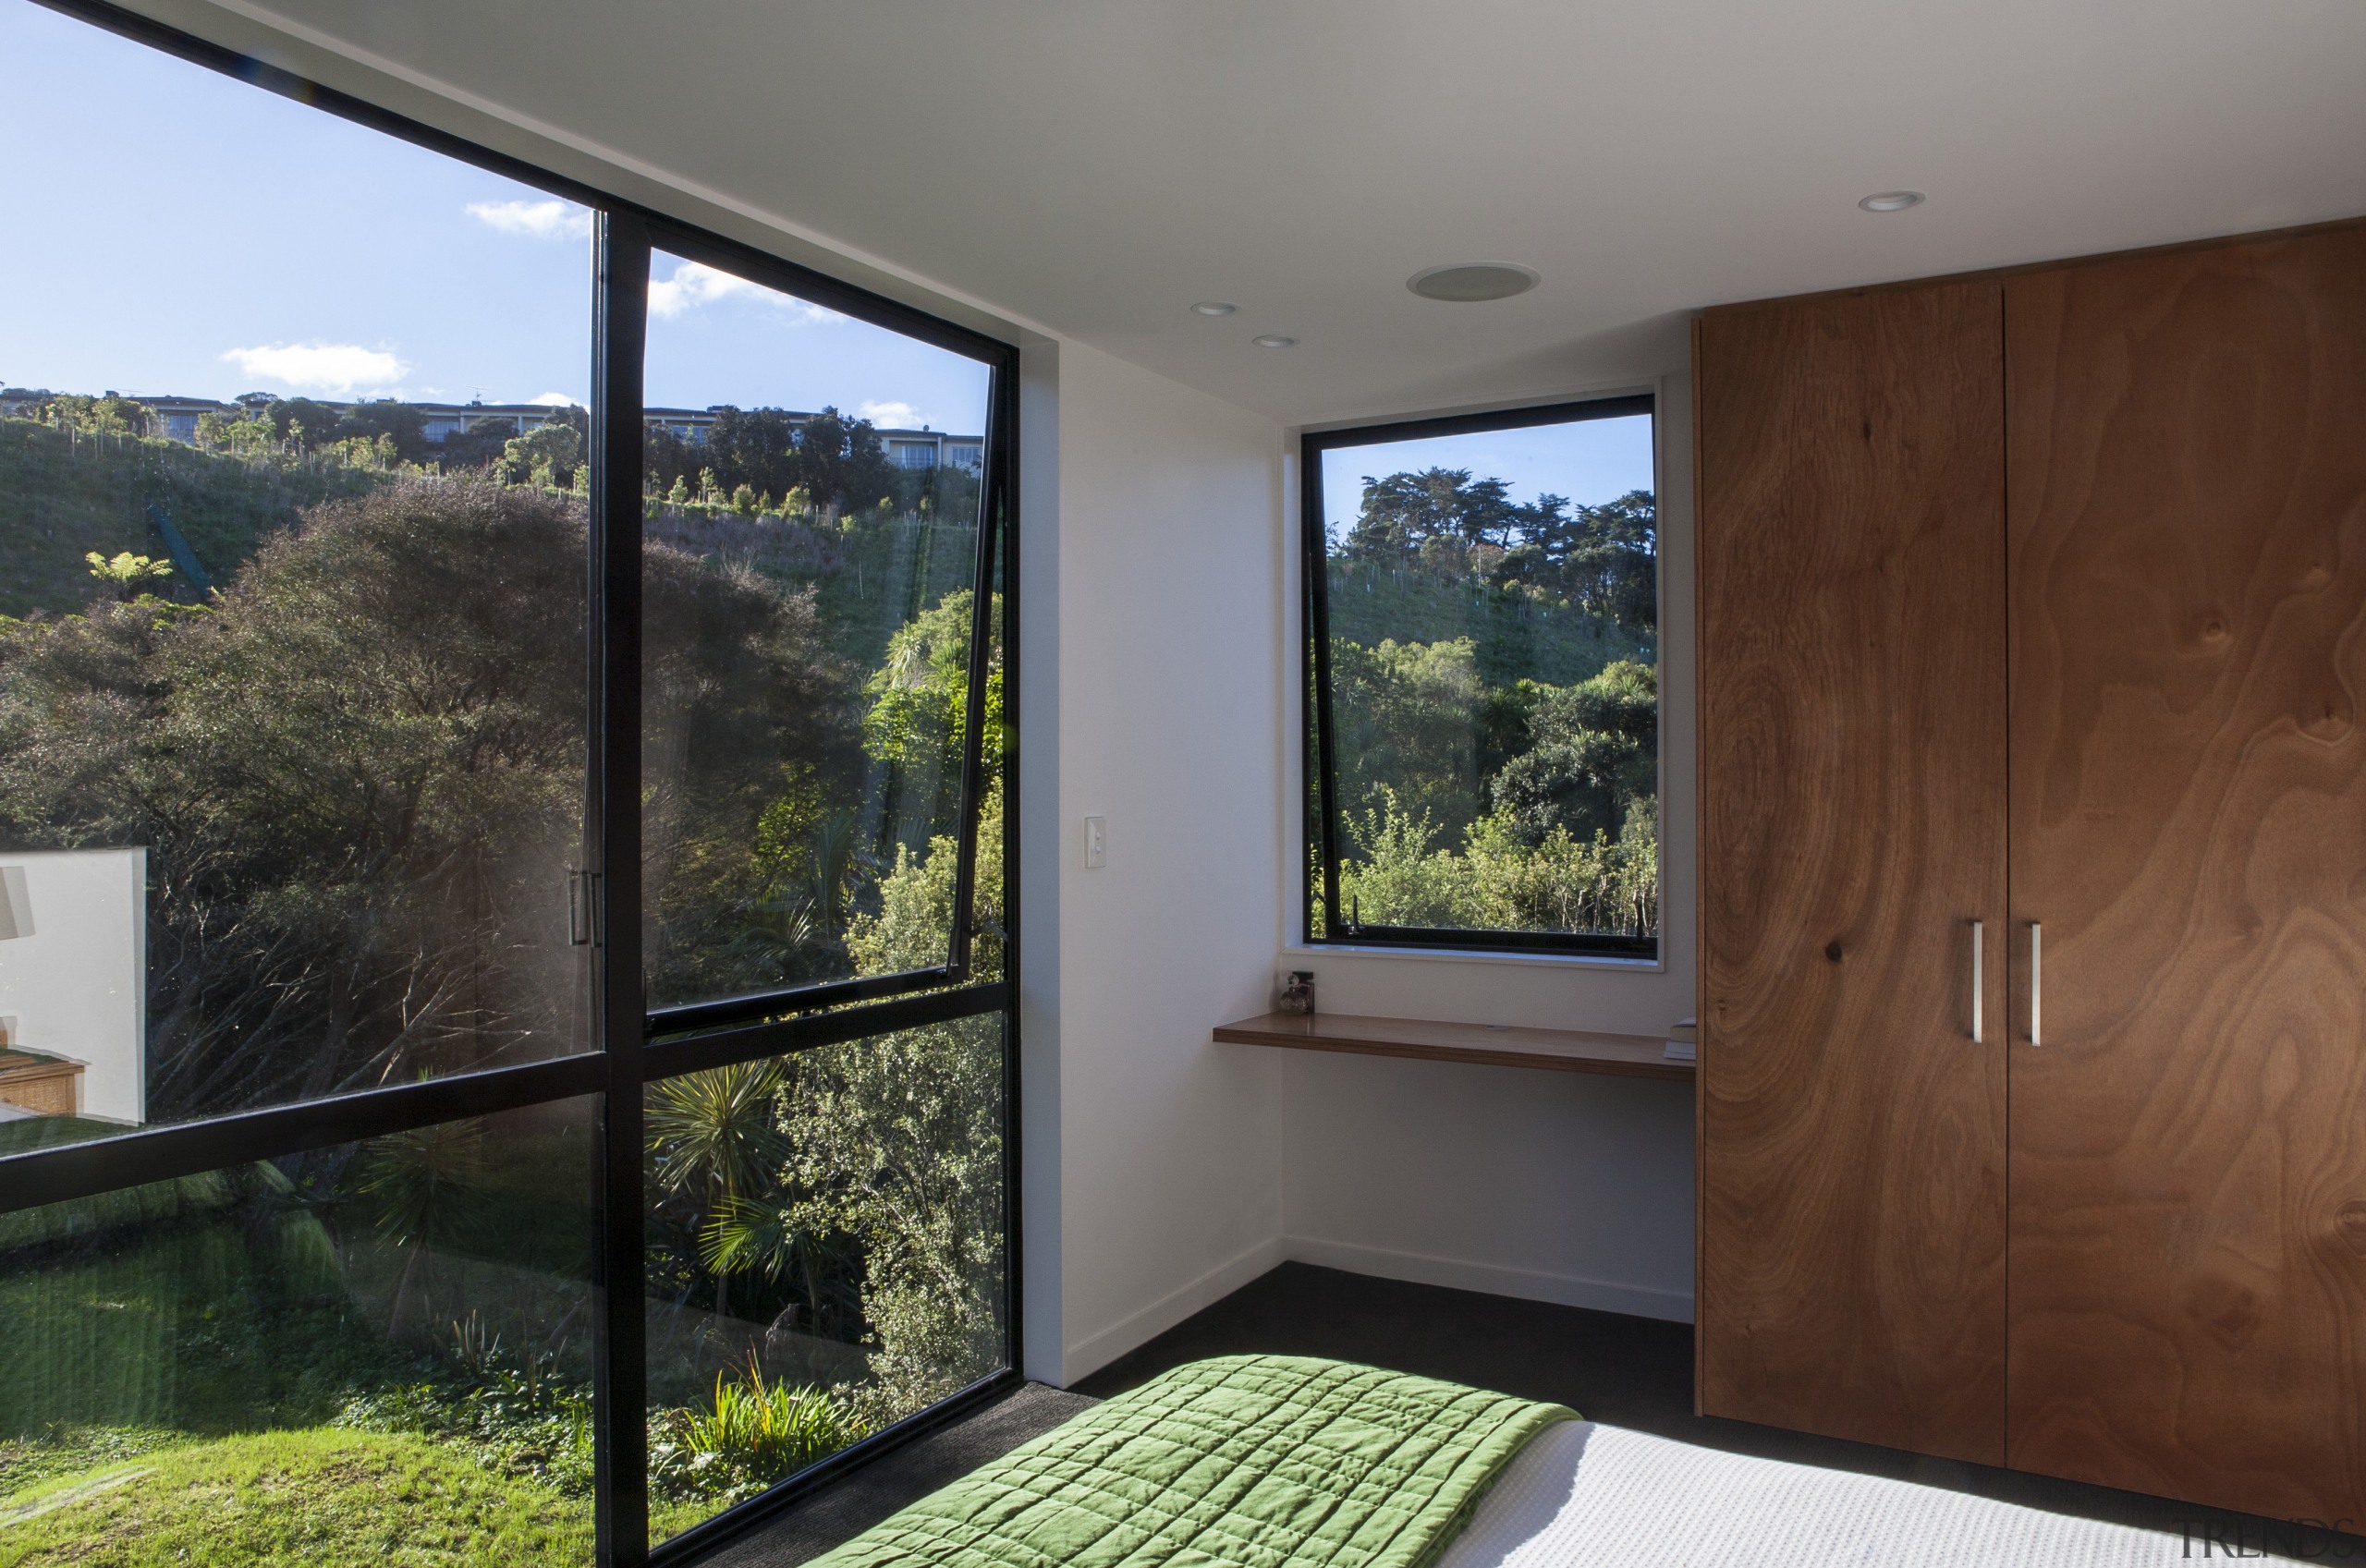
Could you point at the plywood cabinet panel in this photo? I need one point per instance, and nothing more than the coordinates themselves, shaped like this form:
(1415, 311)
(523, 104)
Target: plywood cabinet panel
(1851, 549)
(2187, 460)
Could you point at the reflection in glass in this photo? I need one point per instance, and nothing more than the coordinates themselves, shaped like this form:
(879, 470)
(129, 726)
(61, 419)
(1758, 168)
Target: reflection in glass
(1494, 679)
(291, 607)
(825, 1254)
(307, 1359)
(812, 516)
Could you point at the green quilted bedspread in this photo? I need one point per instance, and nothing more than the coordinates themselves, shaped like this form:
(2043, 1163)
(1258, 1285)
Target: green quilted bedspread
(1259, 1461)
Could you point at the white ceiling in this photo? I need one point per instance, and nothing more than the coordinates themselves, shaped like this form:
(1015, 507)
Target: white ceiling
(1096, 165)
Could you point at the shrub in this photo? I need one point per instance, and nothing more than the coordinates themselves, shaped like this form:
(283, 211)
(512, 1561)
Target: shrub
(753, 1433)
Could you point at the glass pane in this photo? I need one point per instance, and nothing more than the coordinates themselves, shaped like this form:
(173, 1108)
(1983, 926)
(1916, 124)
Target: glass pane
(827, 1246)
(291, 601)
(1494, 679)
(988, 924)
(310, 1360)
(813, 487)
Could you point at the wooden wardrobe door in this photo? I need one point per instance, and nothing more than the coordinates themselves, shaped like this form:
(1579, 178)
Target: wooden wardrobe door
(2187, 461)
(1852, 548)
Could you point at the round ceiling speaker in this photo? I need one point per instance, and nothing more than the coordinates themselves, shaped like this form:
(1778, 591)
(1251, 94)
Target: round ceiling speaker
(1469, 282)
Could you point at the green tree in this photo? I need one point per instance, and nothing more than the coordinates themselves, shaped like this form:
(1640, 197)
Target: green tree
(1406, 516)
(426, 1187)
(898, 1144)
(1565, 885)
(359, 777)
(238, 435)
(895, 1169)
(1593, 752)
(1602, 559)
(110, 415)
(1409, 719)
(400, 425)
(1393, 875)
(481, 447)
(547, 455)
(714, 1139)
(756, 447)
(917, 721)
(842, 463)
(750, 725)
(126, 573)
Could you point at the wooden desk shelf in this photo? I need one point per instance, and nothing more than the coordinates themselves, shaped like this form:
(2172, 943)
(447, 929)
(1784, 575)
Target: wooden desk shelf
(1565, 1051)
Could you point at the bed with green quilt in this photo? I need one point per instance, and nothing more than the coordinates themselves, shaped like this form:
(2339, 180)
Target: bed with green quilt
(1260, 1461)
(1283, 1462)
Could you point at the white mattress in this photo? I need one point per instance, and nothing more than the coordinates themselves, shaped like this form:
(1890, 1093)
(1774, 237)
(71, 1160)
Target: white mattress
(1582, 1495)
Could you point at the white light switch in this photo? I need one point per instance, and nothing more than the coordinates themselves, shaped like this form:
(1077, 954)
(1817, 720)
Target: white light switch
(1096, 842)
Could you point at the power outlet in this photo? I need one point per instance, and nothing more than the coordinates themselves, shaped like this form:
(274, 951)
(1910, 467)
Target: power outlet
(1096, 842)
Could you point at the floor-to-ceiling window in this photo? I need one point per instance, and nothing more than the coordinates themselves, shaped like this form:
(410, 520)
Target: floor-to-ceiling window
(504, 1031)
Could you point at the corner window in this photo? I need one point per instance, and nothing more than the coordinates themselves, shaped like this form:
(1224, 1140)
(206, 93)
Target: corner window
(507, 995)
(1482, 682)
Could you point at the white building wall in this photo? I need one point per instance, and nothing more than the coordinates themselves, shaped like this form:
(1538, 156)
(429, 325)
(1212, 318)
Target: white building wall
(1153, 678)
(1160, 663)
(1557, 1186)
(78, 986)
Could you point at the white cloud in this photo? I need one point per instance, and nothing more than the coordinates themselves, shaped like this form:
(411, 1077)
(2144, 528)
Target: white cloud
(556, 399)
(334, 368)
(890, 415)
(695, 282)
(540, 220)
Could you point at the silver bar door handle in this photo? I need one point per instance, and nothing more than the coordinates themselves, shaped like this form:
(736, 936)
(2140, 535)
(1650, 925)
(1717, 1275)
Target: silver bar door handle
(2037, 983)
(1975, 982)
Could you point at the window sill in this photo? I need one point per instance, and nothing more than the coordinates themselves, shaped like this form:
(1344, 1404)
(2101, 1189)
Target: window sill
(1296, 952)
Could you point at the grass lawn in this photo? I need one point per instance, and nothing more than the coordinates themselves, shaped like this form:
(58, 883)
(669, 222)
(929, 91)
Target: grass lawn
(301, 1499)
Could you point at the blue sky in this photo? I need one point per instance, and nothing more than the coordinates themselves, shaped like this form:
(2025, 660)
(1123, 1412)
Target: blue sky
(173, 230)
(1589, 461)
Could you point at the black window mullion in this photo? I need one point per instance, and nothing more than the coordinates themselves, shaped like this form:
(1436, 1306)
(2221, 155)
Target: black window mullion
(42, 1176)
(1002, 455)
(763, 1005)
(784, 1036)
(620, 323)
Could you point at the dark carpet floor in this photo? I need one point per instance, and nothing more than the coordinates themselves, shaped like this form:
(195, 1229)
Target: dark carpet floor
(1634, 1372)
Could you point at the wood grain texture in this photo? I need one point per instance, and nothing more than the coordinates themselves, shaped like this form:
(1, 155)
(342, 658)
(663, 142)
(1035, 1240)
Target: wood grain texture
(1851, 547)
(2187, 454)
(1565, 1050)
(46, 1085)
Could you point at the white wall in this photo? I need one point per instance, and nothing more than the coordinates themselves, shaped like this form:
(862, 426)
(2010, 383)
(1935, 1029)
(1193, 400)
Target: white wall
(78, 986)
(1552, 1186)
(1150, 680)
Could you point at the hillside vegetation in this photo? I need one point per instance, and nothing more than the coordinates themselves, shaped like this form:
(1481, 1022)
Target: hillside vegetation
(65, 493)
(357, 769)
(1494, 709)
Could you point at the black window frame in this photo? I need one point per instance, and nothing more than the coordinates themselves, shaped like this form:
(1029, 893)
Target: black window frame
(1320, 786)
(630, 1046)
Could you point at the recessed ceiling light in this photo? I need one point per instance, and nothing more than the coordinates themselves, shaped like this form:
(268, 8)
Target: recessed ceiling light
(1275, 340)
(1468, 281)
(1891, 201)
(1214, 307)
